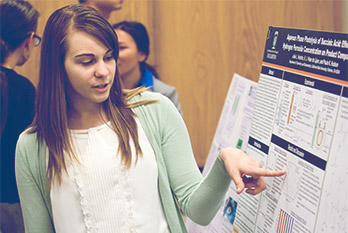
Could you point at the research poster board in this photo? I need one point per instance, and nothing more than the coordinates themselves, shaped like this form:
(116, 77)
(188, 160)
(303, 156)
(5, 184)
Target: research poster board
(300, 124)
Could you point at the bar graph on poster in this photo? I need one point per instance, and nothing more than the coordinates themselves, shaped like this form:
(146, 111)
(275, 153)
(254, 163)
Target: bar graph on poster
(299, 123)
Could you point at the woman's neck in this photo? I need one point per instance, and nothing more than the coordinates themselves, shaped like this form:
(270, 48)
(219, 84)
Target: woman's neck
(131, 79)
(10, 62)
(86, 118)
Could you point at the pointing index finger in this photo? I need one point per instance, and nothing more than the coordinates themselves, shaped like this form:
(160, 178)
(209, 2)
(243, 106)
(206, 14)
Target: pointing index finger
(255, 172)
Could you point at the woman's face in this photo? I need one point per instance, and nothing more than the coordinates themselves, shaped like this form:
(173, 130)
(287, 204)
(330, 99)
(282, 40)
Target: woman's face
(129, 55)
(108, 4)
(90, 67)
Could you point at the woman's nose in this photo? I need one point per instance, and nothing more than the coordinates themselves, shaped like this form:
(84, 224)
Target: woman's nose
(101, 70)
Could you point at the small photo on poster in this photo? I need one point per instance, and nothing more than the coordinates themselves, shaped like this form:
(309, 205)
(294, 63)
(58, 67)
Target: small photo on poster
(230, 208)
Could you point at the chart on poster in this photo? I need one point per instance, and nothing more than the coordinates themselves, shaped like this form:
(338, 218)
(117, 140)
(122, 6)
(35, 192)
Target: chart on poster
(300, 124)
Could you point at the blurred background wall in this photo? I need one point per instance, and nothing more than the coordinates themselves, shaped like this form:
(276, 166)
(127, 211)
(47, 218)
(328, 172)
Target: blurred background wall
(197, 46)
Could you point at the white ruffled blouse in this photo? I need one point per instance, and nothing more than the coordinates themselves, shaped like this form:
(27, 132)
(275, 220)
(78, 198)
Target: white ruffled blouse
(100, 195)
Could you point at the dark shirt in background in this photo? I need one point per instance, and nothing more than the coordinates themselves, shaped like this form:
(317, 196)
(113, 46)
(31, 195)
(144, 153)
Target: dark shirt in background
(21, 98)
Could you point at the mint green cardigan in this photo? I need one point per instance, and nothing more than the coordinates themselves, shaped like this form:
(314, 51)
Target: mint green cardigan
(178, 176)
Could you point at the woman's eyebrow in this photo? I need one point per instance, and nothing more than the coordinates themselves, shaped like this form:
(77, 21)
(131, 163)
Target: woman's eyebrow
(109, 51)
(84, 55)
(91, 54)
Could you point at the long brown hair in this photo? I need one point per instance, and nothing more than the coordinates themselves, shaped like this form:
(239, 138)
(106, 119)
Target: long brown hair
(51, 119)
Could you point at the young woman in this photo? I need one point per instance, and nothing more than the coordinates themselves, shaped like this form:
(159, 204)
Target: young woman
(134, 45)
(17, 39)
(101, 159)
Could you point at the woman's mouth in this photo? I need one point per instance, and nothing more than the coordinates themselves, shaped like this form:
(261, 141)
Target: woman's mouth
(101, 87)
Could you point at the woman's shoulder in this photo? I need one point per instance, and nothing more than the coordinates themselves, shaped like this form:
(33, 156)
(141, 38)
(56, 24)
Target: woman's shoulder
(28, 151)
(161, 104)
(161, 87)
(17, 80)
(27, 139)
(149, 95)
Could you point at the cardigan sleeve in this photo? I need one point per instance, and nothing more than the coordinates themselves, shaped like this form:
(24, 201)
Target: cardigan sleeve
(35, 213)
(199, 198)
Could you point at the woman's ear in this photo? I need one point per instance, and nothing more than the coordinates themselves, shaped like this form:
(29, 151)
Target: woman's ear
(24, 50)
(28, 45)
(141, 56)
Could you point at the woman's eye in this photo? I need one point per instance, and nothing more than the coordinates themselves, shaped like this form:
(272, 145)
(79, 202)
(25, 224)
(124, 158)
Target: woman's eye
(109, 58)
(86, 63)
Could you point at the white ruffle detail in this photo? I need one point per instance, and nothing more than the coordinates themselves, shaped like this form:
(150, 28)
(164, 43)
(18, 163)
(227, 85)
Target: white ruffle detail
(86, 209)
(128, 221)
(104, 188)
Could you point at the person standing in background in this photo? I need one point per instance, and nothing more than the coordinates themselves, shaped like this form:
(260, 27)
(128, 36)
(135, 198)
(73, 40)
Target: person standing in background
(18, 38)
(134, 46)
(105, 7)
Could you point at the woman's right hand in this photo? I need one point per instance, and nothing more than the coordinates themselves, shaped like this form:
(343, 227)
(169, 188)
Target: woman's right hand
(245, 171)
